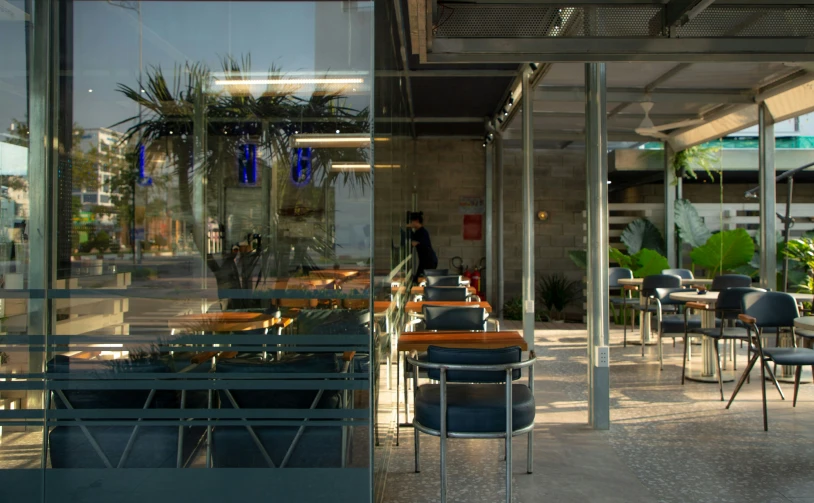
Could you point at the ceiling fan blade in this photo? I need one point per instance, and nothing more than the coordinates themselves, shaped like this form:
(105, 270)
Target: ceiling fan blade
(652, 133)
(678, 125)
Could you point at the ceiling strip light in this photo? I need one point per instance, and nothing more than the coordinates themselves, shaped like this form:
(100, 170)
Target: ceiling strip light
(284, 82)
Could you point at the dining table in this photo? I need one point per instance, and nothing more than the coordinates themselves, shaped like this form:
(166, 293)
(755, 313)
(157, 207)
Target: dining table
(223, 322)
(645, 331)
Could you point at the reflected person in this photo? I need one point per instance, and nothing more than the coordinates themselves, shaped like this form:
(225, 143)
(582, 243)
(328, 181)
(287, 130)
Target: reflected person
(427, 259)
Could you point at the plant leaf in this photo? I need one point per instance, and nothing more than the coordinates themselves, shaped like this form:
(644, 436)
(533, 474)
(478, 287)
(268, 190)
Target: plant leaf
(640, 234)
(618, 256)
(724, 251)
(579, 257)
(691, 227)
(649, 262)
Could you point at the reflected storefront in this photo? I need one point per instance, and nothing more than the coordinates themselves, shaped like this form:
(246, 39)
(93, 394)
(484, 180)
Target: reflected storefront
(190, 258)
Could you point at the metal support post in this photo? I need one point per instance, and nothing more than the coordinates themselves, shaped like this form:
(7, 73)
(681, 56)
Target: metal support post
(787, 223)
(490, 224)
(528, 210)
(596, 151)
(673, 258)
(768, 214)
(501, 286)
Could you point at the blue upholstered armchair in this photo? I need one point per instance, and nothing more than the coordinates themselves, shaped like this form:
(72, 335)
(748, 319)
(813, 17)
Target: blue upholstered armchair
(475, 397)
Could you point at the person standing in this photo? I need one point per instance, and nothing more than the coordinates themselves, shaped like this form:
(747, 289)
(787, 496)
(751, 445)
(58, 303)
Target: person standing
(427, 259)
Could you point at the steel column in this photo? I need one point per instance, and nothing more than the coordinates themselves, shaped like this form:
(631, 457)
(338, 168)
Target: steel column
(596, 152)
(768, 216)
(669, 208)
(501, 286)
(490, 231)
(528, 210)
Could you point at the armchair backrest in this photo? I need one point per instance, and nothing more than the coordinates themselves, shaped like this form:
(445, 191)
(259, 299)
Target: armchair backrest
(333, 321)
(681, 273)
(651, 283)
(445, 293)
(724, 281)
(730, 300)
(454, 318)
(443, 281)
(771, 309)
(436, 272)
(617, 273)
(460, 356)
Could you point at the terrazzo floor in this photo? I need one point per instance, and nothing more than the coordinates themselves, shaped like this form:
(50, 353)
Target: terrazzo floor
(667, 443)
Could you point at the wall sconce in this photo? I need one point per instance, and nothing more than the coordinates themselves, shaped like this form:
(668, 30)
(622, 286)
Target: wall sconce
(542, 216)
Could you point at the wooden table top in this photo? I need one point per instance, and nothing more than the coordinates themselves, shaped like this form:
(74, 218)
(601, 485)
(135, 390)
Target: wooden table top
(298, 283)
(380, 306)
(226, 322)
(419, 290)
(333, 273)
(685, 282)
(420, 341)
(417, 307)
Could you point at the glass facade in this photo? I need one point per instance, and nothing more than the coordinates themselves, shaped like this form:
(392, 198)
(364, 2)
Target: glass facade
(195, 292)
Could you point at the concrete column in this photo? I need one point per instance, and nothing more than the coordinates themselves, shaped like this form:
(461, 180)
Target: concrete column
(670, 238)
(528, 209)
(596, 152)
(501, 276)
(490, 223)
(768, 218)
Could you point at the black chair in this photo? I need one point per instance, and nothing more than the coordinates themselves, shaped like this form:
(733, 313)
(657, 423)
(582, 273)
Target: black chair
(454, 318)
(657, 290)
(727, 308)
(263, 446)
(771, 310)
(681, 273)
(445, 294)
(82, 445)
(436, 272)
(443, 281)
(724, 281)
(625, 300)
(481, 402)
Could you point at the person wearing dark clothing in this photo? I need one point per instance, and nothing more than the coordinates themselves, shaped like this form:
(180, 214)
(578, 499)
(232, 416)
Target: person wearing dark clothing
(423, 245)
(227, 276)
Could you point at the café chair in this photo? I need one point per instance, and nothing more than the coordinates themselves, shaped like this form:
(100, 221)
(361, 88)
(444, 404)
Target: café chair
(272, 446)
(443, 281)
(447, 294)
(681, 273)
(137, 443)
(436, 272)
(625, 299)
(724, 281)
(777, 310)
(475, 397)
(727, 308)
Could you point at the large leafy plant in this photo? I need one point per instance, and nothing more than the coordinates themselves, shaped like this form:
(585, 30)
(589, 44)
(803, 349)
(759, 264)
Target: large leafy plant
(802, 250)
(724, 251)
(688, 162)
(641, 234)
(691, 227)
(644, 263)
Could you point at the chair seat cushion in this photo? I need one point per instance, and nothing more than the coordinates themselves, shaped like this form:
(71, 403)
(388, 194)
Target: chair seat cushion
(674, 323)
(474, 408)
(790, 356)
(729, 332)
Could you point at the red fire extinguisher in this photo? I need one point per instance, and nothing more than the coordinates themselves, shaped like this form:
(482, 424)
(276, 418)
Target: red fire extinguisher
(476, 284)
(467, 275)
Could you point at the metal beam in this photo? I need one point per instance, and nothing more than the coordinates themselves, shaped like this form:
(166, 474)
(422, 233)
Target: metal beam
(670, 183)
(596, 147)
(552, 49)
(501, 285)
(490, 221)
(528, 212)
(632, 95)
(680, 12)
(768, 212)
(405, 62)
(447, 73)
(511, 139)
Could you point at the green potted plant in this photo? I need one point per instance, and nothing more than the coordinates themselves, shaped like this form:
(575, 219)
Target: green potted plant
(556, 292)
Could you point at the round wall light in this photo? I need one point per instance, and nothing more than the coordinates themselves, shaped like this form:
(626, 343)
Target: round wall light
(542, 216)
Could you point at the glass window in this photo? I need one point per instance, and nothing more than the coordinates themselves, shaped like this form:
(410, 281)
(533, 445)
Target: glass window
(209, 320)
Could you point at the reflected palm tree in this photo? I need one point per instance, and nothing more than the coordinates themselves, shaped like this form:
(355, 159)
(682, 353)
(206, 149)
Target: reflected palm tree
(200, 127)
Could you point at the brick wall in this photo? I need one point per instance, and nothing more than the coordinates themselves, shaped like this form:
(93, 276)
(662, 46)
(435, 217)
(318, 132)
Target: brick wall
(559, 189)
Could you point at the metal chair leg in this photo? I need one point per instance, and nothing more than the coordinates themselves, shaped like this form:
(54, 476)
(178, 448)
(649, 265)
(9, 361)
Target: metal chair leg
(776, 384)
(743, 378)
(624, 324)
(763, 367)
(417, 452)
(797, 375)
(530, 453)
(684, 364)
(718, 364)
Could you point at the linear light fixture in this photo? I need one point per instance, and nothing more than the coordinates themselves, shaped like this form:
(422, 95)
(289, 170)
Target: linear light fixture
(331, 140)
(286, 82)
(360, 166)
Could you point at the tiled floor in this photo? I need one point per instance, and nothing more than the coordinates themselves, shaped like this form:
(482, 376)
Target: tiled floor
(667, 442)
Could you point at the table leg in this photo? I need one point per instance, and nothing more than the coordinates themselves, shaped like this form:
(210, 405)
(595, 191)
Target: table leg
(709, 369)
(785, 373)
(645, 335)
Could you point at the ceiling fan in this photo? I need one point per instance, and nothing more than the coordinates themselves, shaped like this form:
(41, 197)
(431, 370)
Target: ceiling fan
(647, 128)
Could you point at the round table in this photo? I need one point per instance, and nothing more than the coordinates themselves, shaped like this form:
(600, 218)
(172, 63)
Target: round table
(644, 318)
(709, 368)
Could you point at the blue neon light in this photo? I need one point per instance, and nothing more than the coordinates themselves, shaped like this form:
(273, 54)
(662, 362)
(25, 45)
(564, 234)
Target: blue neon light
(247, 164)
(301, 166)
